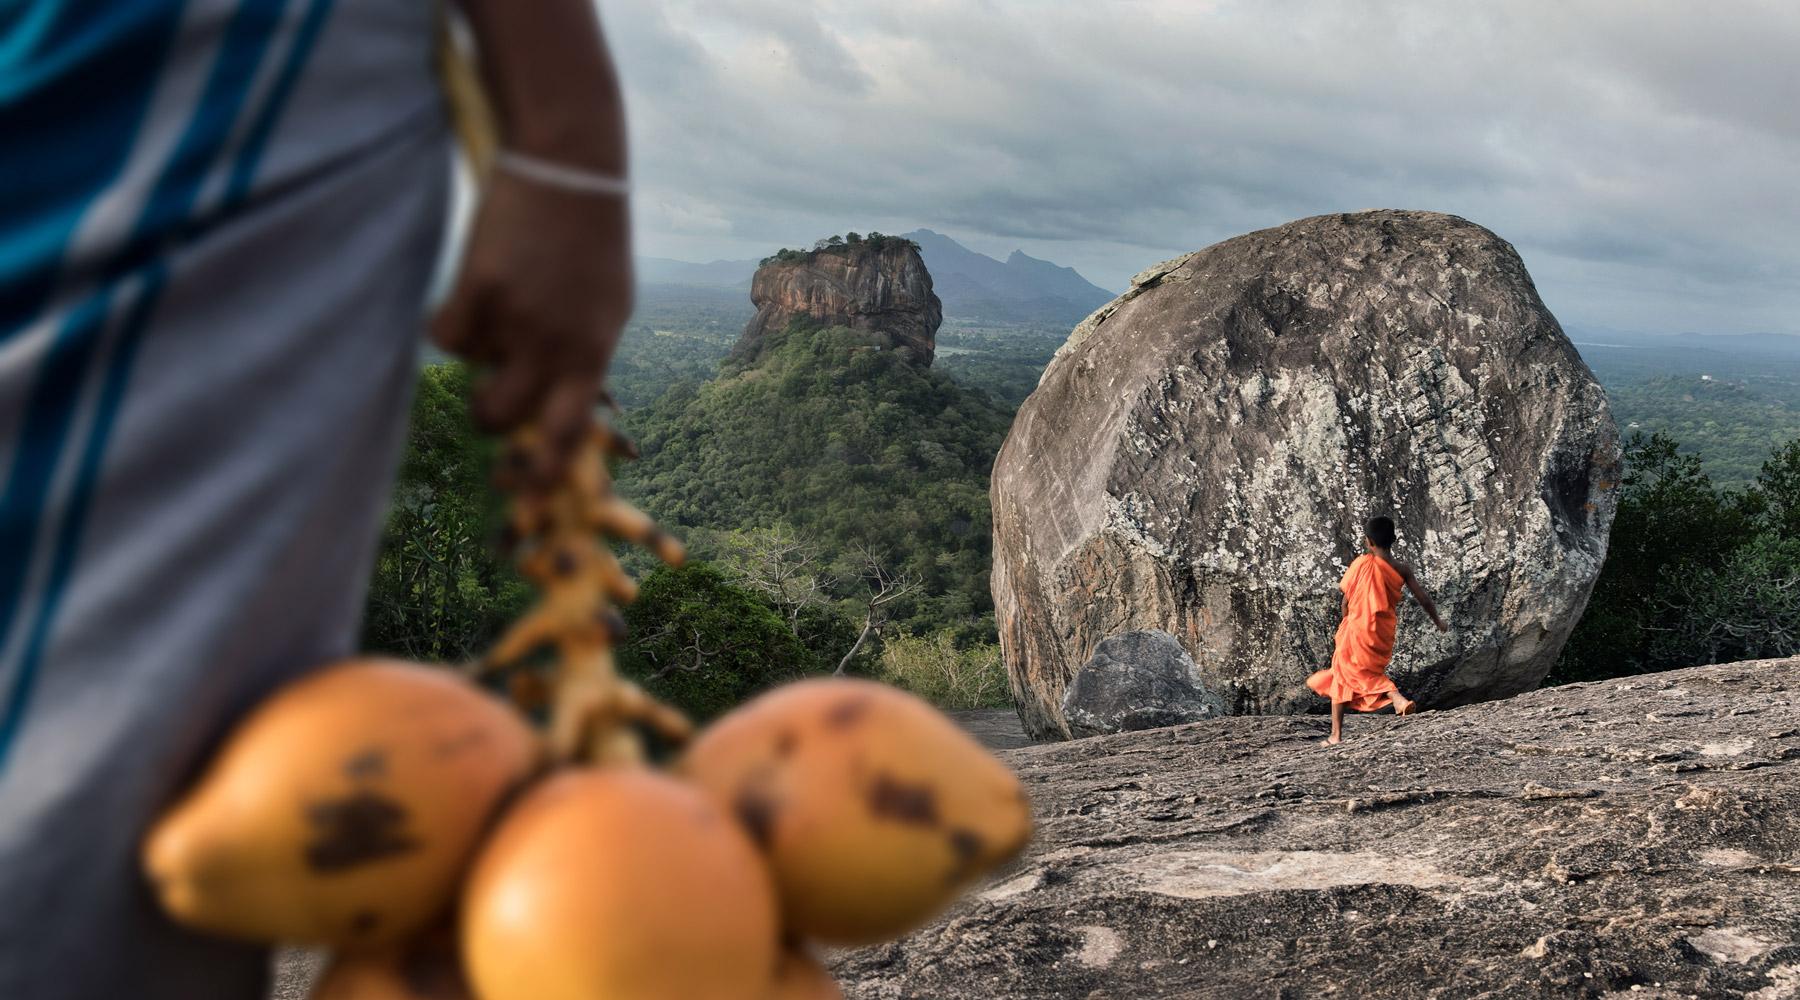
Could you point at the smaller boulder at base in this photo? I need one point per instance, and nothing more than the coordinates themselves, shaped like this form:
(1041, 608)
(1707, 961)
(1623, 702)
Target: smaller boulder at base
(1137, 680)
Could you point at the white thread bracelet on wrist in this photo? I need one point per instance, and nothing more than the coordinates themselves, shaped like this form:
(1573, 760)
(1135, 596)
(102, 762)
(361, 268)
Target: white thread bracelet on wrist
(561, 175)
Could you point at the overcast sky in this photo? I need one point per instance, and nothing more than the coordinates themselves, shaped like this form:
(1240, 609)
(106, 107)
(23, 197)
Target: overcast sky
(1641, 155)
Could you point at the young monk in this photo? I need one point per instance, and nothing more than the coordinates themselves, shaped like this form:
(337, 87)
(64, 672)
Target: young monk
(1372, 586)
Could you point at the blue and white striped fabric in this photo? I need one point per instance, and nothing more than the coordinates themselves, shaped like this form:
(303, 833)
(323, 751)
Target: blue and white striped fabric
(217, 222)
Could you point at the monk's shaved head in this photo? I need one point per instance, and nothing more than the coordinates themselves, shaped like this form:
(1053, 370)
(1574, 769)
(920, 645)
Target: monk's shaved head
(1380, 530)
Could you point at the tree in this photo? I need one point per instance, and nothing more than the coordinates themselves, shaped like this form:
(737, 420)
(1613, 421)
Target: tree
(1778, 491)
(884, 587)
(1678, 568)
(784, 566)
(936, 668)
(703, 644)
(1747, 609)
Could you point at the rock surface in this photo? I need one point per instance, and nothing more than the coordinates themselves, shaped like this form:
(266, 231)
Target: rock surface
(1137, 680)
(882, 288)
(994, 728)
(1202, 453)
(1628, 838)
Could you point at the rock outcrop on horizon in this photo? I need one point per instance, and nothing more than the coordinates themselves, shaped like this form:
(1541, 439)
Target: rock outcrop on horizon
(1635, 837)
(879, 285)
(1201, 454)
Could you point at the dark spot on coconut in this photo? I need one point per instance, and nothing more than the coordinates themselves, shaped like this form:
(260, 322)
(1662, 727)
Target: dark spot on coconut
(893, 799)
(356, 830)
(368, 764)
(364, 922)
(786, 742)
(846, 713)
(757, 812)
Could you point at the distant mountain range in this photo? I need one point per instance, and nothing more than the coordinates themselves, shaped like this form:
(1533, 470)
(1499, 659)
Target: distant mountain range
(973, 286)
(718, 274)
(1021, 288)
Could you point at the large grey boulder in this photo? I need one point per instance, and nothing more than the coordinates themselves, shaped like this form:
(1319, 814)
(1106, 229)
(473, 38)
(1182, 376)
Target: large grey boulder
(1200, 456)
(1621, 839)
(1137, 680)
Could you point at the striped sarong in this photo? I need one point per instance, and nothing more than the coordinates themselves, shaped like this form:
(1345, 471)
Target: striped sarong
(218, 219)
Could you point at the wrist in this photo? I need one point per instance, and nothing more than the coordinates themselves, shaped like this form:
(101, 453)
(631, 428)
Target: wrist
(546, 71)
(583, 140)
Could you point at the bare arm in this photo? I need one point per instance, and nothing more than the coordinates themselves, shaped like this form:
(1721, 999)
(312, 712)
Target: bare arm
(546, 283)
(1424, 599)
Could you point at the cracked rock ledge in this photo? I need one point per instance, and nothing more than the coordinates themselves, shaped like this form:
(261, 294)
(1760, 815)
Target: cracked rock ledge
(1636, 837)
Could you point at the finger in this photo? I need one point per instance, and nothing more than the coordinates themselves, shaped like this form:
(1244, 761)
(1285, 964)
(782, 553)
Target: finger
(464, 322)
(567, 418)
(507, 398)
(612, 328)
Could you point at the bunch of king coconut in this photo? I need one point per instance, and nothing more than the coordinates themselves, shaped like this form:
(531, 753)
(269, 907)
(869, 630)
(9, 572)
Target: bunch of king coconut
(424, 831)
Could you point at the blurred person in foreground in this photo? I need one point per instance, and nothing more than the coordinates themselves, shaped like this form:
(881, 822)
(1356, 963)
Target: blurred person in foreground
(217, 227)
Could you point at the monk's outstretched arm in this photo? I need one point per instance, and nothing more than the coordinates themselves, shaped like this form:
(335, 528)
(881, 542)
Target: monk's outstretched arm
(1424, 599)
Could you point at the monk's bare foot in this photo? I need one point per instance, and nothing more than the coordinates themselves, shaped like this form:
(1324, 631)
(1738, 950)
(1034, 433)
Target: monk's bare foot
(1405, 706)
(1331, 741)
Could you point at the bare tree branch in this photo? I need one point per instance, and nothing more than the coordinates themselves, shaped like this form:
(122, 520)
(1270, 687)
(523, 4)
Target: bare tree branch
(884, 587)
(783, 565)
(696, 649)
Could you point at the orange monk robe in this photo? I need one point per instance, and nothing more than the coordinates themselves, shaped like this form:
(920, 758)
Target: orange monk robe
(1365, 638)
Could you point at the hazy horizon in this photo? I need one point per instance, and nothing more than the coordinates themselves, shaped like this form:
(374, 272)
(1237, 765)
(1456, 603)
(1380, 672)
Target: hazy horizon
(1638, 155)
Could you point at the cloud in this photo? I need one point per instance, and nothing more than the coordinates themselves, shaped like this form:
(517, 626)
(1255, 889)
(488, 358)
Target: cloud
(1637, 154)
(810, 49)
